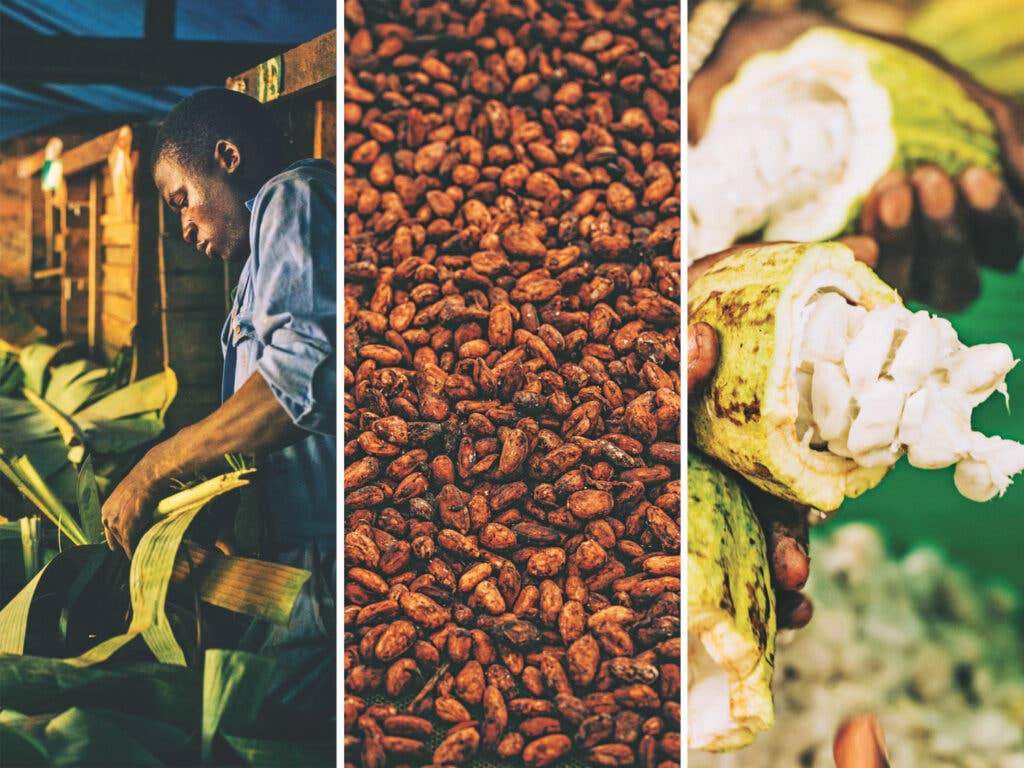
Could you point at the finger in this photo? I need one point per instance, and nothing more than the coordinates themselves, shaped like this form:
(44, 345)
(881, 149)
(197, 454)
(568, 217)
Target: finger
(864, 248)
(888, 218)
(869, 213)
(701, 355)
(111, 541)
(945, 272)
(860, 743)
(997, 222)
(895, 236)
(793, 609)
(789, 560)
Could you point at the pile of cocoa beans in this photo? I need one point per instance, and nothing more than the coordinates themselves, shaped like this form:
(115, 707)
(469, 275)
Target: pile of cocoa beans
(512, 388)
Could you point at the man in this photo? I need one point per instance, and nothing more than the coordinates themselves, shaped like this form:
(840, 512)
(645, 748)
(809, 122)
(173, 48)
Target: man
(219, 161)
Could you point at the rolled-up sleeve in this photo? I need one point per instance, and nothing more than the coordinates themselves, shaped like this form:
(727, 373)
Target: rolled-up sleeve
(294, 303)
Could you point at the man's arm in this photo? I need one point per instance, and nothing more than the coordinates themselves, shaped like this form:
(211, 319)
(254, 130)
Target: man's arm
(250, 421)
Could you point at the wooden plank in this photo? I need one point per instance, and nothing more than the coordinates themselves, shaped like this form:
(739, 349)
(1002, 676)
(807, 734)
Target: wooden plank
(117, 278)
(147, 271)
(44, 274)
(117, 332)
(161, 254)
(189, 407)
(48, 229)
(325, 139)
(27, 255)
(192, 290)
(94, 258)
(33, 164)
(109, 218)
(118, 233)
(306, 66)
(180, 258)
(92, 152)
(195, 374)
(117, 254)
(194, 336)
(118, 306)
(77, 254)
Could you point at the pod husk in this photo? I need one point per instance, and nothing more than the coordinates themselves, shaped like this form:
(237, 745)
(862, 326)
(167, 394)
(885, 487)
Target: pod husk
(746, 416)
(730, 606)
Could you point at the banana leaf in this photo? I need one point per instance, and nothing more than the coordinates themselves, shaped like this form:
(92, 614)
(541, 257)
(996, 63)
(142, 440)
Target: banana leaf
(35, 361)
(33, 685)
(89, 508)
(265, 753)
(236, 719)
(142, 713)
(21, 740)
(24, 476)
(153, 393)
(11, 374)
(80, 737)
(24, 431)
(74, 385)
(121, 435)
(80, 413)
(233, 686)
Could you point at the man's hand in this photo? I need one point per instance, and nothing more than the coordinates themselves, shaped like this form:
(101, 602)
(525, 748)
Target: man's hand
(128, 511)
(251, 421)
(932, 231)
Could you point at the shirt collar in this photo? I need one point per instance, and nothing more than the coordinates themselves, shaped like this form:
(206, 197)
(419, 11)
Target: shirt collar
(297, 164)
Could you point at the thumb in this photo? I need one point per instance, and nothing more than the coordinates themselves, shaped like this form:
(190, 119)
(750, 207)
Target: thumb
(860, 743)
(701, 356)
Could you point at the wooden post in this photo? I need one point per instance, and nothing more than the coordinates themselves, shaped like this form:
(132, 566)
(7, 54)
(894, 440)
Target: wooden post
(94, 258)
(161, 239)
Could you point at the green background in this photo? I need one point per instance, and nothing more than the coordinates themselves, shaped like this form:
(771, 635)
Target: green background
(913, 506)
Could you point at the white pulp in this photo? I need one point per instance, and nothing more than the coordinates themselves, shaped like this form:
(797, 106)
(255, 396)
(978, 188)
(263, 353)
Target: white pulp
(876, 385)
(748, 177)
(707, 695)
(790, 146)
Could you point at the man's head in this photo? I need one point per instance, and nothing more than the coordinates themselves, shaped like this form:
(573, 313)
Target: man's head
(213, 152)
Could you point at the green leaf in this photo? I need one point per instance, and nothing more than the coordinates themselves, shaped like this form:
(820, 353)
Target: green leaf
(234, 683)
(153, 393)
(267, 752)
(18, 746)
(89, 503)
(35, 359)
(11, 374)
(35, 685)
(122, 435)
(71, 394)
(89, 737)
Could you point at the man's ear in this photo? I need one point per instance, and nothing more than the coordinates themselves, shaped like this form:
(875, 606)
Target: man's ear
(226, 155)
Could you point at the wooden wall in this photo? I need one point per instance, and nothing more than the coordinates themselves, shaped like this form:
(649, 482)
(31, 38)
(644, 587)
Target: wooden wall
(15, 202)
(194, 294)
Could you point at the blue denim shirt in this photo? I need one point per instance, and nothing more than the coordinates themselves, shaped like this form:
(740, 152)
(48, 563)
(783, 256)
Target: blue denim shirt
(282, 324)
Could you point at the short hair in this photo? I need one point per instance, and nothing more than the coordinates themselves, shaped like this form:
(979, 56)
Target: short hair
(191, 130)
